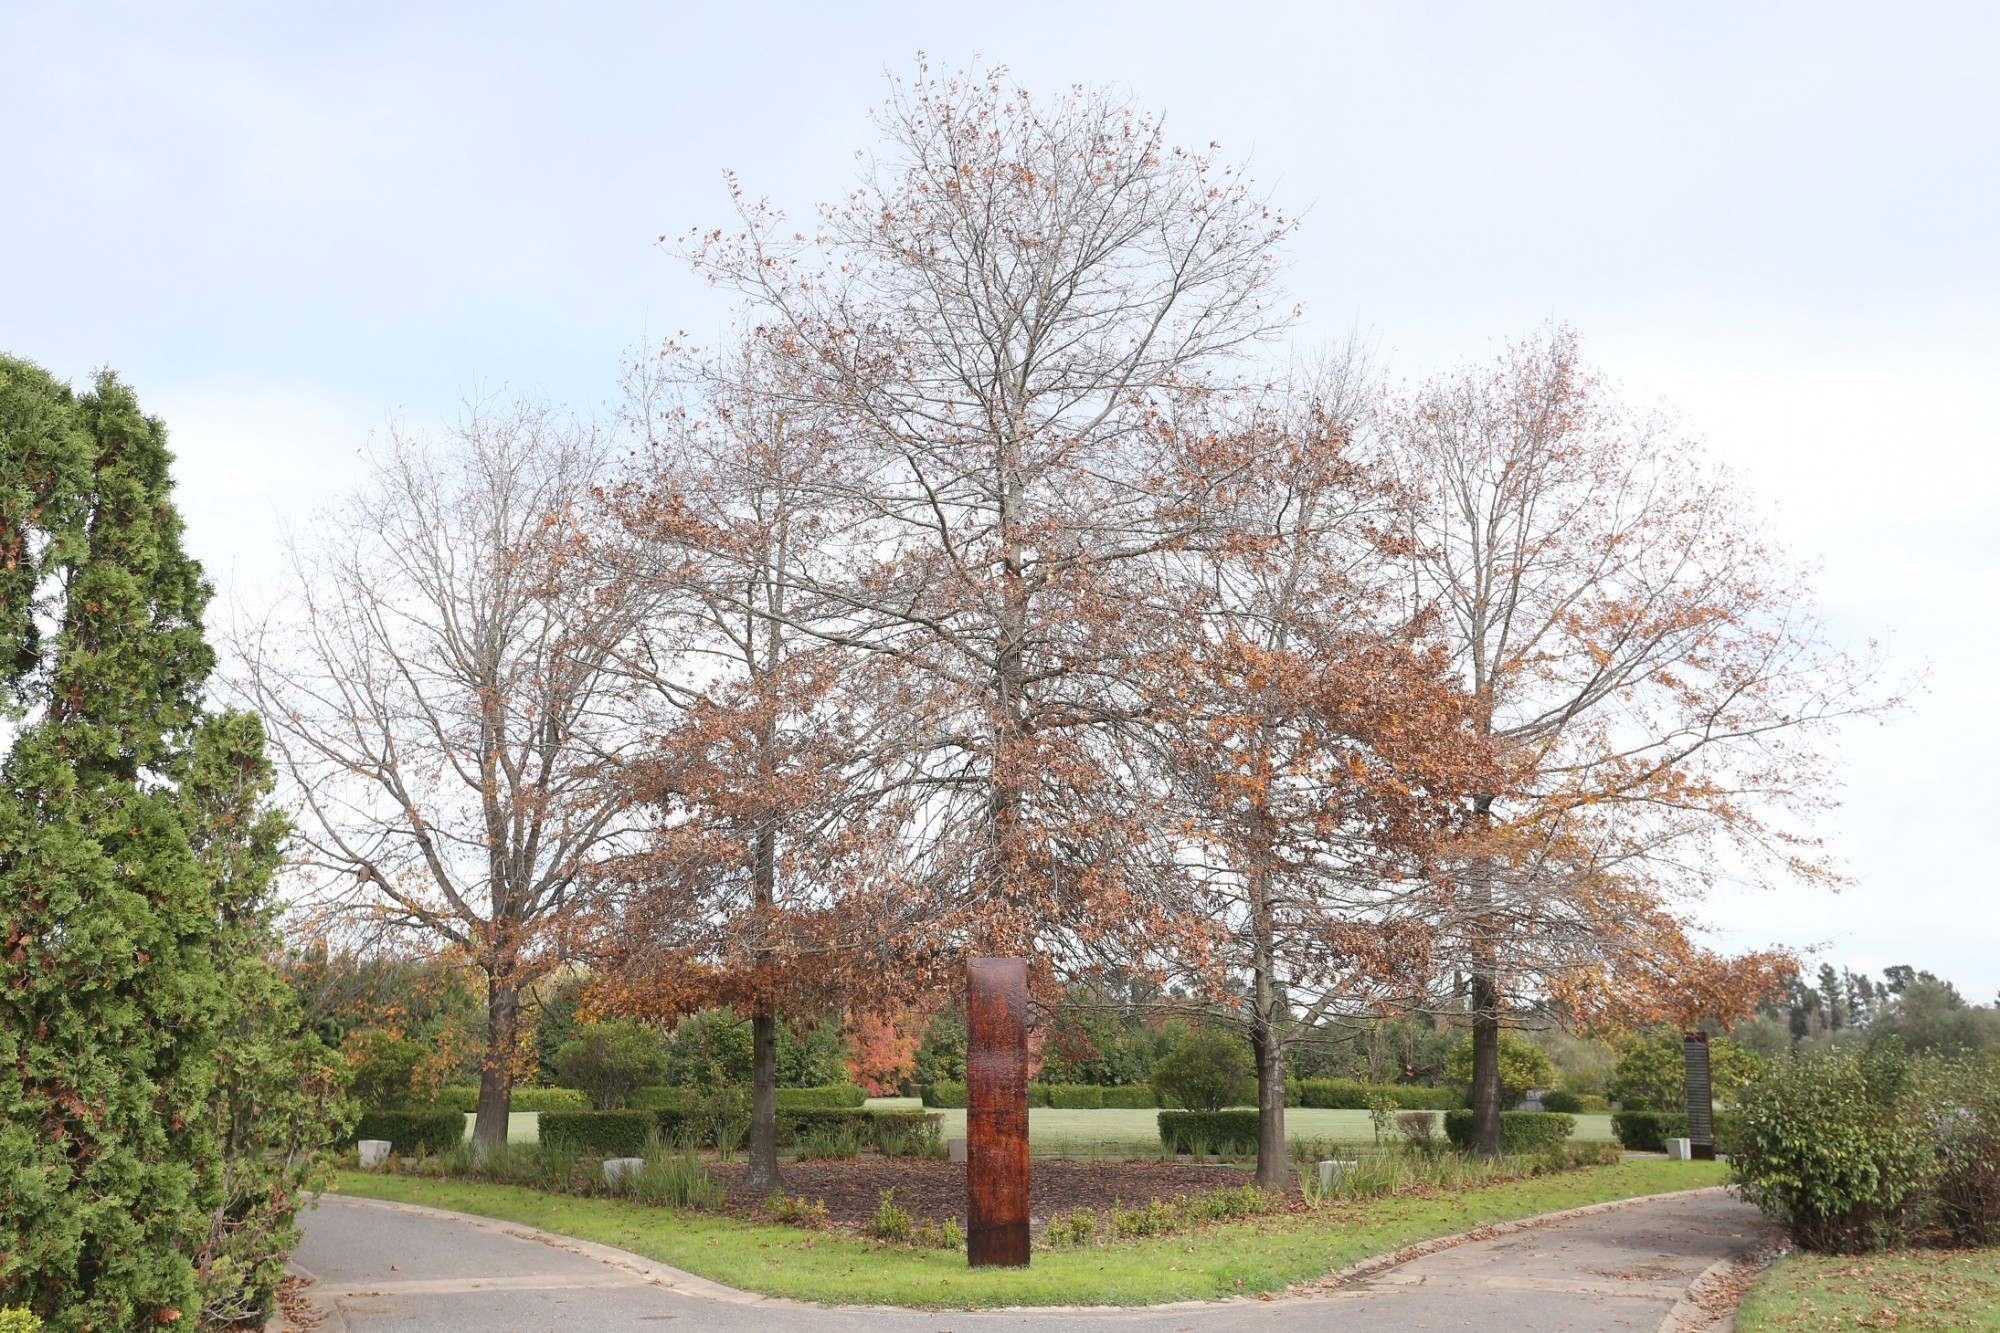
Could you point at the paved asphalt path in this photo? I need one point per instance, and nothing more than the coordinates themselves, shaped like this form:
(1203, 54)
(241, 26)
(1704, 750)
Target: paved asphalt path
(386, 1268)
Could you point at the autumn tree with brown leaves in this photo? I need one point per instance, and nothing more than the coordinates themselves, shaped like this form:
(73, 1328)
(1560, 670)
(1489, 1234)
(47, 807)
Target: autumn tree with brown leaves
(1313, 737)
(1648, 670)
(990, 326)
(441, 692)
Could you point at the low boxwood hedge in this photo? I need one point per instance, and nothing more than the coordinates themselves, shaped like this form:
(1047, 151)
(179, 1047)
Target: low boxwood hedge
(1076, 1097)
(1137, 1097)
(604, 1133)
(411, 1133)
(1341, 1094)
(1233, 1131)
(1520, 1131)
(1648, 1131)
(465, 1099)
(1567, 1103)
(831, 1095)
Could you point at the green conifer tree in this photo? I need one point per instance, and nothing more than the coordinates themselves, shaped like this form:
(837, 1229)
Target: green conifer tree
(131, 880)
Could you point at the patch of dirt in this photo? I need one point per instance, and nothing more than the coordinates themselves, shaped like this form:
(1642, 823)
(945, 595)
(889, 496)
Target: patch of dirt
(296, 1311)
(936, 1190)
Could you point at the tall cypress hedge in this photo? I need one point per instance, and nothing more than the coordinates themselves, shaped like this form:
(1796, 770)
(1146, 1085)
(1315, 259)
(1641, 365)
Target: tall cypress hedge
(158, 1109)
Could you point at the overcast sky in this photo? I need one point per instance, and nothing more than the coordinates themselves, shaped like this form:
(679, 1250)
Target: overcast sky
(286, 225)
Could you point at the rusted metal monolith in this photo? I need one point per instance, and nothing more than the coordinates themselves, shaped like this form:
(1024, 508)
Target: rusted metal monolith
(996, 1111)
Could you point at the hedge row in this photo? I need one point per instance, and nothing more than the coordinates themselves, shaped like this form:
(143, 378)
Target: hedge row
(1210, 1131)
(660, 1098)
(1059, 1096)
(1340, 1094)
(1520, 1131)
(411, 1133)
(1648, 1131)
(465, 1100)
(625, 1133)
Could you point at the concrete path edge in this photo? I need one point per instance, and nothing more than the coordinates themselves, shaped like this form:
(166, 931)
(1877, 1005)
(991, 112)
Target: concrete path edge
(695, 1285)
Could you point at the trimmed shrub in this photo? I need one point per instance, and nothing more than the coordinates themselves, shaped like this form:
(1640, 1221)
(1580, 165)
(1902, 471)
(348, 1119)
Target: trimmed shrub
(1038, 1094)
(1209, 1070)
(464, 1099)
(411, 1133)
(1648, 1131)
(1520, 1131)
(611, 1060)
(659, 1097)
(1138, 1097)
(870, 1125)
(1343, 1094)
(1076, 1097)
(831, 1095)
(1212, 1131)
(603, 1133)
(1563, 1103)
(1838, 1149)
(945, 1096)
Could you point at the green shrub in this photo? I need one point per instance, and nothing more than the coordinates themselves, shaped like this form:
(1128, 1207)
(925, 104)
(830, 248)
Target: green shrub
(19, 1319)
(1837, 1149)
(1076, 1097)
(1038, 1094)
(1648, 1131)
(411, 1133)
(1520, 1131)
(1207, 1071)
(608, 1061)
(944, 1096)
(1137, 1097)
(1563, 1103)
(827, 1096)
(869, 1125)
(658, 1097)
(604, 1133)
(464, 1098)
(1967, 1185)
(1210, 1131)
(1341, 1094)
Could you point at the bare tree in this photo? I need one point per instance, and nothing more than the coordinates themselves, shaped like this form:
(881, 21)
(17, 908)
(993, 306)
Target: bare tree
(990, 325)
(441, 690)
(1647, 668)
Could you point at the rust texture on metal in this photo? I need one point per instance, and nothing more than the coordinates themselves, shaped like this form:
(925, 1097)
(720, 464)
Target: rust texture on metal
(996, 1111)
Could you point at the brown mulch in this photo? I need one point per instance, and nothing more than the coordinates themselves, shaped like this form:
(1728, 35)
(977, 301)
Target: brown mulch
(936, 1190)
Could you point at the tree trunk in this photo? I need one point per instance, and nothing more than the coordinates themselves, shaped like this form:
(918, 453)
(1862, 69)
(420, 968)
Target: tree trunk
(1274, 1162)
(761, 1173)
(496, 1077)
(1486, 1106)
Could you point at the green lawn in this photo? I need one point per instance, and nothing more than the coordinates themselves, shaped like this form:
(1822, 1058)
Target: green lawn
(1945, 1290)
(1266, 1254)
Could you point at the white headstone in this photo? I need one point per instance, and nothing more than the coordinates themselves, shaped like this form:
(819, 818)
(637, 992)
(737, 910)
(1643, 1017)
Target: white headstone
(374, 1152)
(617, 1168)
(954, 1149)
(1680, 1150)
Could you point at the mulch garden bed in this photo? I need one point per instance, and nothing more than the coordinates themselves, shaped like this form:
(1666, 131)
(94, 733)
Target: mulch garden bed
(936, 1190)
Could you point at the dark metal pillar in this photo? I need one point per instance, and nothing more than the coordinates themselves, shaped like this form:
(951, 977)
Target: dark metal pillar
(996, 1111)
(1700, 1096)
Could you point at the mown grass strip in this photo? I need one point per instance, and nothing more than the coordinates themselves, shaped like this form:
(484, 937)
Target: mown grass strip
(1232, 1259)
(1910, 1291)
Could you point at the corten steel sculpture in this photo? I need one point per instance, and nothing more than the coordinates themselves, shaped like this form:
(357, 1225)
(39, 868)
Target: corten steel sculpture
(996, 1111)
(1700, 1097)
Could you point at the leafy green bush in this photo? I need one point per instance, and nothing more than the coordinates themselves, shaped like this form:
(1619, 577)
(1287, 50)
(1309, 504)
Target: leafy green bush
(658, 1097)
(1651, 1074)
(1209, 1070)
(1208, 1131)
(608, 1061)
(1138, 1097)
(1520, 1131)
(1076, 1097)
(1038, 1094)
(19, 1319)
(870, 1125)
(945, 1096)
(411, 1133)
(709, 1049)
(1564, 1103)
(1967, 1187)
(604, 1133)
(1648, 1131)
(1838, 1149)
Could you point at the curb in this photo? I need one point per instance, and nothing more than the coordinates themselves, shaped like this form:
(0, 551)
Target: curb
(665, 1275)
(1709, 1303)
